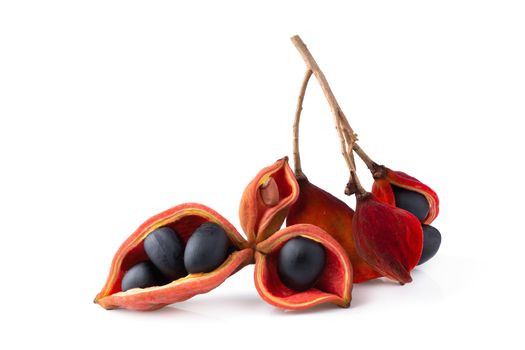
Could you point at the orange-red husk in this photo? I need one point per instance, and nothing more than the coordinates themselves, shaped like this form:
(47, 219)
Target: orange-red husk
(388, 238)
(258, 220)
(184, 218)
(334, 285)
(317, 207)
(382, 189)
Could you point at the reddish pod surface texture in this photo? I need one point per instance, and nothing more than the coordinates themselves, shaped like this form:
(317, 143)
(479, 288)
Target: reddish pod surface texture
(382, 189)
(387, 238)
(184, 219)
(334, 285)
(266, 200)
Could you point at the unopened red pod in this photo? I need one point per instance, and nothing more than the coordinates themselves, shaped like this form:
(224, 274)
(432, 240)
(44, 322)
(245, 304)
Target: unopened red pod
(388, 238)
(184, 219)
(267, 199)
(382, 189)
(333, 286)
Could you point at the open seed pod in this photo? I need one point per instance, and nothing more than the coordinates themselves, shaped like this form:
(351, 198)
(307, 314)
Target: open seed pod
(388, 238)
(266, 200)
(333, 285)
(318, 207)
(184, 219)
(383, 189)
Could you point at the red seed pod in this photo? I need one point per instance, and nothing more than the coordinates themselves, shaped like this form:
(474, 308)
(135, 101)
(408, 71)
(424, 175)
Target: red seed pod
(382, 189)
(333, 286)
(266, 200)
(317, 207)
(184, 219)
(387, 238)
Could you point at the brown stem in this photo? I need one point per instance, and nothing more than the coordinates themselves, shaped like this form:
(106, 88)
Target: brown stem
(353, 185)
(339, 118)
(346, 152)
(370, 164)
(378, 171)
(296, 155)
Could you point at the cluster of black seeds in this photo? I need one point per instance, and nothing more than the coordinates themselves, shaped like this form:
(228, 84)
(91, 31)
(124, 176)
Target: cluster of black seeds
(206, 249)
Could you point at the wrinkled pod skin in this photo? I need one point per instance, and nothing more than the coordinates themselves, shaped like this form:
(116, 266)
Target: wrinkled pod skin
(333, 286)
(382, 189)
(388, 238)
(184, 219)
(318, 207)
(266, 201)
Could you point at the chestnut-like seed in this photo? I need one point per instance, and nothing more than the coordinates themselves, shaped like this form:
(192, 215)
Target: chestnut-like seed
(269, 192)
(431, 243)
(142, 275)
(411, 201)
(206, 249)
(300, 263)
(166, 251)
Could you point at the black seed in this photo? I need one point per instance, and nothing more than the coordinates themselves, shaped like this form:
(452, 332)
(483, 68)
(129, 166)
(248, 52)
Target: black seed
(206, 249)
(411, 201)
(142, 275)
(166, 251)
(431, 243)
(231, 249)
(300, 263)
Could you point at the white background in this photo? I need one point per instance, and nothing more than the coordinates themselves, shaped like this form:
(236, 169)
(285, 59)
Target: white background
(113, 111)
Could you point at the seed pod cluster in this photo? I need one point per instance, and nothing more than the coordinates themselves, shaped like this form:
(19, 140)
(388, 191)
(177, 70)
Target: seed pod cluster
(388, 234)
(325, 247)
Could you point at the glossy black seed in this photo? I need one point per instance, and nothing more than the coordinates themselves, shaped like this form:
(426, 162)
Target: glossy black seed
(300, 263)
(411, 201)
(166, 251)
(206, 249)
(142, 275)
(431, 243)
